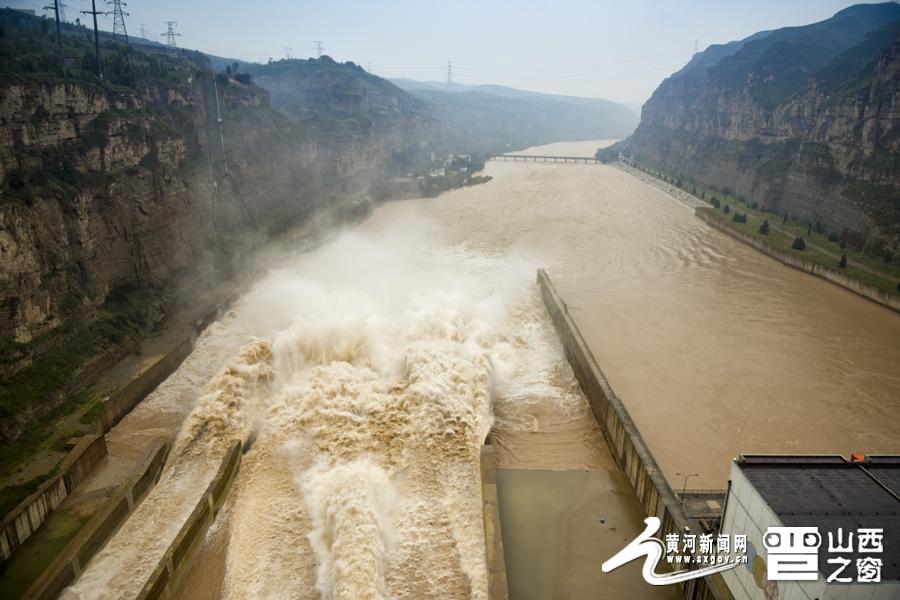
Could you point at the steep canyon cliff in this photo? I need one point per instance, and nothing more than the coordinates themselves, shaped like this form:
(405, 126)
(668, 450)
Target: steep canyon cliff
(804, 120)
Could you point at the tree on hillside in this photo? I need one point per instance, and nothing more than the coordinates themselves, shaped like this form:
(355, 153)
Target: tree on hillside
(784, 221)
(843, 263)
(764, 228)
(727, 209)
(808, 230)
(798, 244)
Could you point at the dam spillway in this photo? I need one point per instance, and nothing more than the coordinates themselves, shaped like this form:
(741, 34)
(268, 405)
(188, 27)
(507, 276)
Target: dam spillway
(378, 363)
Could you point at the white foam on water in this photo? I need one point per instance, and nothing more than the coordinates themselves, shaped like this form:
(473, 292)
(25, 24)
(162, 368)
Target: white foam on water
(365, 397)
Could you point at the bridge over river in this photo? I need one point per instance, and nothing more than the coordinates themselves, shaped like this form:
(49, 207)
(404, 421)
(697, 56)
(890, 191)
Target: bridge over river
(546, 158)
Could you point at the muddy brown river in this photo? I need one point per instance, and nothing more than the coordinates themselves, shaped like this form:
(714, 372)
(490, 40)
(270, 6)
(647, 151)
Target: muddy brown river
(715, 349)
(365, 374)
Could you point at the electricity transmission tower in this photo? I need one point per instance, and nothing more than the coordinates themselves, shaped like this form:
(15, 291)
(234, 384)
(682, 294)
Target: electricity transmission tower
(319, 49)
(171, 35)
(288, 52)
(143, 31)
(118, 13)
(94, 12)
(449, 74)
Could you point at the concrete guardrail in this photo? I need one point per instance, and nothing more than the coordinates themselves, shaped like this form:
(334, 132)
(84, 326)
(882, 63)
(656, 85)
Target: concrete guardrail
(623, 438)
(194, 528)
(67, 567)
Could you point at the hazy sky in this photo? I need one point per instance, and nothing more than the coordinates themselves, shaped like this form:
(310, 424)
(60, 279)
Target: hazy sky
(617, 50)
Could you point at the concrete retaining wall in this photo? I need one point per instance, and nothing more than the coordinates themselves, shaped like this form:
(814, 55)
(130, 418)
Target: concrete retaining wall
(69, 564)
(498, 589)
(622, 436)
(840, 278)
(195, 527)
(23, 520)
(140, 387)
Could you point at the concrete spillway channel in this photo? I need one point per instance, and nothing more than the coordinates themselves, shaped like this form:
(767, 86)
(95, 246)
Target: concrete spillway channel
(178, 555)
(92, 537)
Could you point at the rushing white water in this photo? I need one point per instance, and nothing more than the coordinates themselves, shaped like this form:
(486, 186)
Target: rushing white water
(363, 379)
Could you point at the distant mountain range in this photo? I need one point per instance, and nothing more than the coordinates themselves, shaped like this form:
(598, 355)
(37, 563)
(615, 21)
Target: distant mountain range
(495, 118)
(801, 119)
(481, 119)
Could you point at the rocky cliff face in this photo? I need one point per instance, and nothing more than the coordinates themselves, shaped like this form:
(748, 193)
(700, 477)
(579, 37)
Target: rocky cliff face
(107, 192)
(803, 120)
(104, 190)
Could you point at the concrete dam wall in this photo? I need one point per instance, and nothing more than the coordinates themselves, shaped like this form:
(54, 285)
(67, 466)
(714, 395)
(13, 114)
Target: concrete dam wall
(628, 448)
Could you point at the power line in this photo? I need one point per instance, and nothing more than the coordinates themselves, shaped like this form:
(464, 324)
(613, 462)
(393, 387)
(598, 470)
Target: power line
(118, 13)
(670, 53)
(659, 63)
(319, 49)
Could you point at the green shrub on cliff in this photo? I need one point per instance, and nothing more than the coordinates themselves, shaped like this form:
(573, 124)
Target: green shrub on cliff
(798, 244)
(764, 227)
(843, 262)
